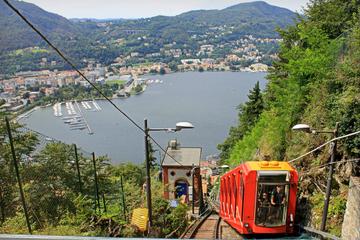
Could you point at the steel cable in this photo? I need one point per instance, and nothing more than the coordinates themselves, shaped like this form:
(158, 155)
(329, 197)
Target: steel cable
(84, 77)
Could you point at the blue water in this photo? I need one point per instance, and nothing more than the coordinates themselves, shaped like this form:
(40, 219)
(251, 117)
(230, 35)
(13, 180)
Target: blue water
(208, 100)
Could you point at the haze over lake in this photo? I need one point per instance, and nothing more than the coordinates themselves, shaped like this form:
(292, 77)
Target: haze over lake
(208, 100)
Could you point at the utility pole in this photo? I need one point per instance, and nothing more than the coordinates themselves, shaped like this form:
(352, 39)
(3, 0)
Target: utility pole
(18, 175)
(329, 180)
(96, 183)
(78, 168)
(104, 202)
(193, 189)
(148, 178)
(179, 126)
(123, 197)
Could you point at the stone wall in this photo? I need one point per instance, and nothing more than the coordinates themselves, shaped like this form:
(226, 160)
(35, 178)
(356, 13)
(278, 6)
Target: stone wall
(351, 224)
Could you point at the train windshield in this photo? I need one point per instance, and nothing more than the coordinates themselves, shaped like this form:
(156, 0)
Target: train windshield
(272, 196)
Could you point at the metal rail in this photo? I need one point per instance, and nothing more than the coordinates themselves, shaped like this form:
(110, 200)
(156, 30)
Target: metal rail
(217, 233)
(194, 227)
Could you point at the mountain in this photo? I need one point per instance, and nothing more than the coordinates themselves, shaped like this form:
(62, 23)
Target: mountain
(258, 12)
(256, 18)
(14, 33)
(105, 40)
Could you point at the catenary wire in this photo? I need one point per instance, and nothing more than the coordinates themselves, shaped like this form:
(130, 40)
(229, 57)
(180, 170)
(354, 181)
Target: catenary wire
(84, 77)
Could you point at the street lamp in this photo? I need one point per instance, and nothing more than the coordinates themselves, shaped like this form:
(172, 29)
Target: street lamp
(179, 126)
(306, 128)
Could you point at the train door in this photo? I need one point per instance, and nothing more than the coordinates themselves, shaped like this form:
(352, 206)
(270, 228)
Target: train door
(272, 198)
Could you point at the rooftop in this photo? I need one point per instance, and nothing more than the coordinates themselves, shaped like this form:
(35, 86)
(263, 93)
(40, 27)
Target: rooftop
(185, 156)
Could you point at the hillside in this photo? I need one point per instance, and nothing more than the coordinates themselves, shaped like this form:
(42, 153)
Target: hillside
(15, 34)
(255, 18)
(99, 39)
(253, 15)
(316, 81)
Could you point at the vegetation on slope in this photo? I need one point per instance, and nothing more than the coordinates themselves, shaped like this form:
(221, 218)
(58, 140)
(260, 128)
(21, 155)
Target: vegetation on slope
(105, 42)
(59, 204)
(316, 81)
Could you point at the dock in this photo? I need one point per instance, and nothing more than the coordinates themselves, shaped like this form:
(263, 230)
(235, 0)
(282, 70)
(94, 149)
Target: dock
(83, 117)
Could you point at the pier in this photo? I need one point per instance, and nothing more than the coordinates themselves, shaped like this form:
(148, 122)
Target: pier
(86, 123)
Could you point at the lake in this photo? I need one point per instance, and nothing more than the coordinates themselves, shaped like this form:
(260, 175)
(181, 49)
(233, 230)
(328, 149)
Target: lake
(208, 100)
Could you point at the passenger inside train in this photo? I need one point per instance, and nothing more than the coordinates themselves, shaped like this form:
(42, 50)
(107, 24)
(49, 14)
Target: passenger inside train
(270, 205)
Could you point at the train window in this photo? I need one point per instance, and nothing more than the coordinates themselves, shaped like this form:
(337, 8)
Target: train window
(272, 196)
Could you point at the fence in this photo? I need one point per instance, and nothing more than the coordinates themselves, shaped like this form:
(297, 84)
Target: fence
(45, 182)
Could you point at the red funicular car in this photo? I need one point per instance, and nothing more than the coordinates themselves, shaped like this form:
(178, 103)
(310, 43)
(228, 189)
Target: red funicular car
(259, 197)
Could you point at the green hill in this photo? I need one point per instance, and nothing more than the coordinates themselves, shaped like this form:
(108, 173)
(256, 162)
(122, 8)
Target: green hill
(317, 82)
(15, 34)
(97, 39)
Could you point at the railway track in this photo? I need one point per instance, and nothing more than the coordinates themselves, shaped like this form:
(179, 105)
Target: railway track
(210, 226)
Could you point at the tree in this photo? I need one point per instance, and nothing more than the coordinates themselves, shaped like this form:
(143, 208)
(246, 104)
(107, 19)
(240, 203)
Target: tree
(115, 86)
(162, 71)
(24, 144)
(334, 17)
(251, 110)
(152, 158)
(138, 88)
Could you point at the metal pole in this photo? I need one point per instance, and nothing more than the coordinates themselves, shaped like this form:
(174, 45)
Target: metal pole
(123, 197)
(104, 202)
(193, 190)
(78, 168)
(201, 204)
(96, 182)
(2, 210)
(18, 175)
(329, 181)
(148, 180)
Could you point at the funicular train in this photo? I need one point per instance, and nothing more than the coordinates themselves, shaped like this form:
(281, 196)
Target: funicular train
(259, 197)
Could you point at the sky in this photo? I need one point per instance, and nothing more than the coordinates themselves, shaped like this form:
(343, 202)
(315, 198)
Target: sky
(102, 9)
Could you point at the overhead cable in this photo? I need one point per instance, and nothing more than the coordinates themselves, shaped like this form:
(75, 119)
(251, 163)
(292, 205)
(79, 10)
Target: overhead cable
(323, 145)
(84, 77)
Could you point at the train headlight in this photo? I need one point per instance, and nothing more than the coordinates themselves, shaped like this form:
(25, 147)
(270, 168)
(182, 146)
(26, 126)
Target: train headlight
(246, 225)
(291, 220)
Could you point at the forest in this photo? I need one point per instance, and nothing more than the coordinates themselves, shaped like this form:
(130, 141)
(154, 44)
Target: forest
(73, 192)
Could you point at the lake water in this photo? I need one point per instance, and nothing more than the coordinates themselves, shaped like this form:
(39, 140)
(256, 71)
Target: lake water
(208, 100)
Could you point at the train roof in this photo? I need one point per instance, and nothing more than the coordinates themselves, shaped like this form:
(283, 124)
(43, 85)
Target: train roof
(269, 166)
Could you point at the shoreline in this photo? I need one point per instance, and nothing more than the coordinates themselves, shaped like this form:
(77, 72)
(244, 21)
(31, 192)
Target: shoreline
(37, 107)
(205, 71)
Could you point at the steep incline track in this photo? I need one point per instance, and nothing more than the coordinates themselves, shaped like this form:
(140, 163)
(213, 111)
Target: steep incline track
(210, 226)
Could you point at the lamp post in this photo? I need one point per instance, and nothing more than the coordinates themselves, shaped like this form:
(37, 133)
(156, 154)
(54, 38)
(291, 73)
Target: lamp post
(179, 126)
(306, 128)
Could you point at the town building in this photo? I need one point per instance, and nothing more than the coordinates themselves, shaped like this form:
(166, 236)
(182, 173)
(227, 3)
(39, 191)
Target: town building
(181, 172)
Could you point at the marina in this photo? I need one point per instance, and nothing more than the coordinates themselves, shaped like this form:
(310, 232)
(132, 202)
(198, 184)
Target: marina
(75, 118)
(82, 122)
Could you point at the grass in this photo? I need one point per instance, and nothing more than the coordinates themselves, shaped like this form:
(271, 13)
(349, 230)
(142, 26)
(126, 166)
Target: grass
(111, 82)
(31, 50)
